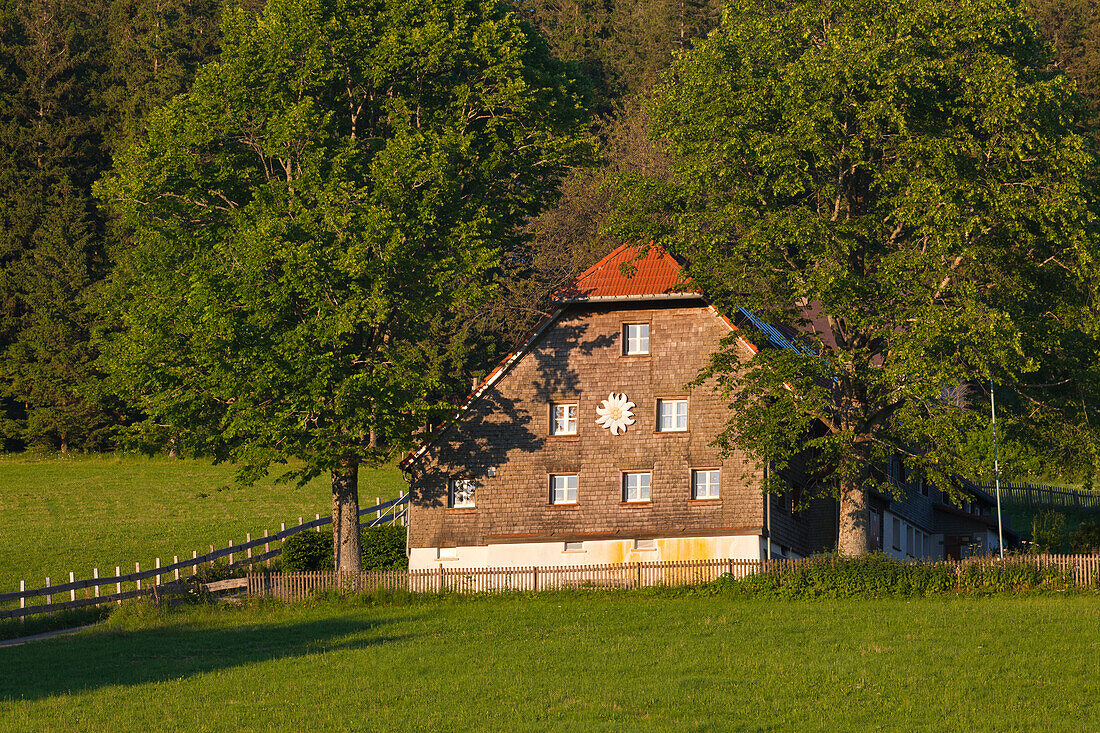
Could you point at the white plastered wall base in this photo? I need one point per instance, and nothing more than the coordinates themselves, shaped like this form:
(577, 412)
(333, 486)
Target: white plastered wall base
(593, 552)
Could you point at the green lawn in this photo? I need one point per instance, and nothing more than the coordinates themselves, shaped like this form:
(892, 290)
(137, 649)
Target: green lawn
(574, 662)
(74, 513)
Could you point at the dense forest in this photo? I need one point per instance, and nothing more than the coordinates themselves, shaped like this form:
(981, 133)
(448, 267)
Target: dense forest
(78, 81)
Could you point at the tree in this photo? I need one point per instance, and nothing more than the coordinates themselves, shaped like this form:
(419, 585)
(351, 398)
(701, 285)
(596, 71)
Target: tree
(315, 222)
(906, 184)
(50, 251)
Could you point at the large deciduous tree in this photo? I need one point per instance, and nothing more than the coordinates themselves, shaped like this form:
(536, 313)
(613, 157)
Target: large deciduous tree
(904, 181)
(316, 220)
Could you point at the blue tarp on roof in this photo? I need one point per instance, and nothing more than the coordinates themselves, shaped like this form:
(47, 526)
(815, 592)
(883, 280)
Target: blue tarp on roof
(775, 335)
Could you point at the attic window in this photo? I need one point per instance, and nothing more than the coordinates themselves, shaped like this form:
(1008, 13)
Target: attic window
(635, 338)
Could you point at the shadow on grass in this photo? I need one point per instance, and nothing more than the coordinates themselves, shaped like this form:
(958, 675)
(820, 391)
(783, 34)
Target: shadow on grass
(109, 657)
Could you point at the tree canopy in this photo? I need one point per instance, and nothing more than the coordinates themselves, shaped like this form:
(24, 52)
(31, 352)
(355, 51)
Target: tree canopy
(316, 220)
(906, 183)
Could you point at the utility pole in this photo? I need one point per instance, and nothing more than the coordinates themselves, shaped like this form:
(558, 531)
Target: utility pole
(996, 471)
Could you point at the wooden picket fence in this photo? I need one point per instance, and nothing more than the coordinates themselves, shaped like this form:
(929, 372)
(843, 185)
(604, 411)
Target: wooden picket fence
(1083, 570)
(172, 579)
(1038, 497)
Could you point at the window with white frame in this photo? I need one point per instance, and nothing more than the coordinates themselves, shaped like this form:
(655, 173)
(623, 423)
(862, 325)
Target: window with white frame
(574, 547)
(563, 489)
(635, 338)
(897, 533)
(636, 486)
(564, 419)
(461, 495)
(704, 484)
(645, 544)
(910, 547)
(672, 415)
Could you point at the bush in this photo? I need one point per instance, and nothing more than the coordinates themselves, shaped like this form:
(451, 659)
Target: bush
(1086, 538)
(1048, 532)
(308, 550)
(382, 548)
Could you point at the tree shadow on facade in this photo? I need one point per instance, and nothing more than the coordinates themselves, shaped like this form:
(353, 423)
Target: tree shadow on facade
(556, 379)
(107, 658)
(497, 427)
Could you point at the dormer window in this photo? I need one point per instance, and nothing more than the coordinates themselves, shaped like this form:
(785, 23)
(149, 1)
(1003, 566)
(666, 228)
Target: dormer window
(635, 339)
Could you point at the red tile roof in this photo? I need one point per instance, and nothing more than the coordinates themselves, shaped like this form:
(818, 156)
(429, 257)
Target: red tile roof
(656, 274)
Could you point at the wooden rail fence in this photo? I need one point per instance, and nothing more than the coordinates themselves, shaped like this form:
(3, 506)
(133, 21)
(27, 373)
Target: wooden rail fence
(1036, 496)
(1083, 570)
(91, 589)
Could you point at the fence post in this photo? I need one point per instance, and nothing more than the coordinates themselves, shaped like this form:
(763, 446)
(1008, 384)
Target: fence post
(118, 585)
(211, 559)
(267, 549)
(535, 577)
(72, 591)
(137, 569)
(95, 575)
(156, 579)
(195, 564)
(317, 517)
(248, 538)
(22, 599)
(49, 596)
(439, 581)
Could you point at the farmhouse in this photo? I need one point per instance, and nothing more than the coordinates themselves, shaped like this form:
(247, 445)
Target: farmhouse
(586, 446)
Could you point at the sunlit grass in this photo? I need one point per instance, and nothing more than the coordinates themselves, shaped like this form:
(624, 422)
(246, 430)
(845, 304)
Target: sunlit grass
(74, 513)
(573, 662)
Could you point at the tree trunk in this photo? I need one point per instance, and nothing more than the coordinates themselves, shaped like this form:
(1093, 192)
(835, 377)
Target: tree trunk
(345, 519)
(854, 519)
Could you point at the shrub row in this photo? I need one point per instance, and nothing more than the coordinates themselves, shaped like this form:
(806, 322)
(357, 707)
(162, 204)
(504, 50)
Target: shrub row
(382, 548)
(880, 575)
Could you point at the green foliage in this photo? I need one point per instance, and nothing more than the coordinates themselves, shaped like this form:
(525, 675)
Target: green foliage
(878, 575)
(908, 185)
(1086, 538)
(1048, 532)
(307, 551)
(383, 547)
(315, 220)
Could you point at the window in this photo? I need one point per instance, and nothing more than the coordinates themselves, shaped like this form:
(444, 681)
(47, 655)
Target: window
(564, 419)
(574, 547)
(910, 546)
(563, 489)
(923, 487)
(704, 484)
(462, 493)
(672, 415)
(645, 544)
(897, 533)
(635, 338)
(875, 535)
(447, 553)
(636, 486)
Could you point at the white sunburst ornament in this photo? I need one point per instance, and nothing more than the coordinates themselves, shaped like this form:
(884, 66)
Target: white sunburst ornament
(615, 413)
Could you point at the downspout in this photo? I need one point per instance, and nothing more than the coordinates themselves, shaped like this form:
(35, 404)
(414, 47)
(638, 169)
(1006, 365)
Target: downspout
(768, 512)
(408, 505)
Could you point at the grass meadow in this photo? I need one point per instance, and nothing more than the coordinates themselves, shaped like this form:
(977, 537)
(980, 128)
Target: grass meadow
(61, 513)
(572, 661)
